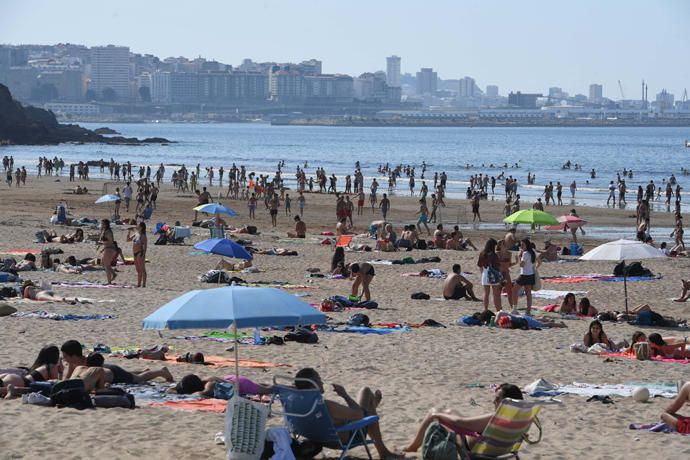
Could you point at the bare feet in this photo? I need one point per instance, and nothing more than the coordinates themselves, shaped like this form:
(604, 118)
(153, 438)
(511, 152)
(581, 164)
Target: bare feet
(167, 375)
(11, 392)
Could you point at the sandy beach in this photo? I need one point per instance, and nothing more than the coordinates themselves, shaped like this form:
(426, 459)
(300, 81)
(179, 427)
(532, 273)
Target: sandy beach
(427, 367)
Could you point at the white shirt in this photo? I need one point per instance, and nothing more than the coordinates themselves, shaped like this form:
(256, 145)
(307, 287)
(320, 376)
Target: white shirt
(528, 266)
(127, 192)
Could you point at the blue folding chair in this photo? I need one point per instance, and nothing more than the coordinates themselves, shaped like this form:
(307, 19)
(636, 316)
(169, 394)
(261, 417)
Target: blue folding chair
(306, 416)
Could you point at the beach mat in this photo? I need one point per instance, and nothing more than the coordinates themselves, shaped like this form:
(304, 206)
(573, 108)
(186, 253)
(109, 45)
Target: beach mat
(194, 405)
(623, 354)
(220, 362)
(664, 390)
(42, 314)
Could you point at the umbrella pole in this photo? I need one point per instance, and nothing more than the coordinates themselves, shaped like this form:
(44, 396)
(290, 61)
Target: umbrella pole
(237, 360)
(625, 288)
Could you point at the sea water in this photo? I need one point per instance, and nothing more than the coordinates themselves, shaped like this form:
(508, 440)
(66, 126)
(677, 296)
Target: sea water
(652, 153)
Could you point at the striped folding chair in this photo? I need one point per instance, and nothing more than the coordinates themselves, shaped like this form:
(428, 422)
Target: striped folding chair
(507, 429)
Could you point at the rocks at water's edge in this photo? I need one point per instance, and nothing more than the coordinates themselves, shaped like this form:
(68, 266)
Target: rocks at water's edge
(33, 126)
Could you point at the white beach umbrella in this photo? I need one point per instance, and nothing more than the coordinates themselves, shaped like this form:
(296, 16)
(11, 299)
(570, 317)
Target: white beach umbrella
(620, 251)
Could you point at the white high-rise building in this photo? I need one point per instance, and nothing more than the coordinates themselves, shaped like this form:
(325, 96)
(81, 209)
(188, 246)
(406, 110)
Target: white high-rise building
(468, 87)
(160, 88)
(393, 71)
(110, 69)
(595, 92)
(491, 91)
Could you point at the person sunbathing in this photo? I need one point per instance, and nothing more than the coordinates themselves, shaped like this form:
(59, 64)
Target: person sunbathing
(300, 229)
(670, 415)
(46, 367)
(233, 266)
(668, 347)
(462, 242)
(549, 254)
(455, 420)
(585, 308)
(192, 384)
(31, 291)
(596, 334)
(277, 252)
(569, 304)
(27, 264)
(70, 266)
(76, 237)
(366, 405)
(456, 286)
(73, 356)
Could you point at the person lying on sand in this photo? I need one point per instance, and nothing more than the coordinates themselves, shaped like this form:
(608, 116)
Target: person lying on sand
(192, 384)
(31, 291)
(668, 347)
(366, 404)
(455, 420)
(73, 356)
(277, 252)
(52, 237)
(232, 266)
(46, 367)
(596, 334)
(456, 286)
(670, 415)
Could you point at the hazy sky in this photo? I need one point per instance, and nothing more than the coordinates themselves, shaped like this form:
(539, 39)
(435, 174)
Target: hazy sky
(523, 45)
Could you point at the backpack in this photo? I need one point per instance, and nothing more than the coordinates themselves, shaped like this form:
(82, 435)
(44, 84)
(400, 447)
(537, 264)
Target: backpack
(358, 319)
(71, 393)
(420, 296)
(421, 244)
(439, 444)
(301, 335)
(215, 276)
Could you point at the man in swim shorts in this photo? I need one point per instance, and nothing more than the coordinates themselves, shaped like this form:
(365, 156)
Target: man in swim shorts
(456, 286)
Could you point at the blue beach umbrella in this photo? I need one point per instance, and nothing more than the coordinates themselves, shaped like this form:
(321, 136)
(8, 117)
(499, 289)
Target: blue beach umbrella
(216, 208)
(236, 306)
(224, 247)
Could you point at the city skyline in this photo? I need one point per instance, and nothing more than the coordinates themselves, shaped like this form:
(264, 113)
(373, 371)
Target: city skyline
(528, 46)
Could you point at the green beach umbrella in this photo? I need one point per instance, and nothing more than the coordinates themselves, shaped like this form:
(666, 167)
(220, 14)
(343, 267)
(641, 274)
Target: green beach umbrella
(532, 217)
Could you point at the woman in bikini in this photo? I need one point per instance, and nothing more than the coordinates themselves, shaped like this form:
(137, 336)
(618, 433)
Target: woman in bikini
(47, 366)
(668, 347)
(596, 334)
(670, 415)
(139, 246)
(585, 308)
(76, 237)
(110, 250)
(363, 274)
(569, 305)
(33, 292)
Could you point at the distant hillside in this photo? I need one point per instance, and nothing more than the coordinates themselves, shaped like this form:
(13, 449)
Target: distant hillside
(33, 126)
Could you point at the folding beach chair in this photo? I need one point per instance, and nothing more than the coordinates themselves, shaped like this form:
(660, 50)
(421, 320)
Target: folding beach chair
(505, 432)
(306, 416)
(245, 429)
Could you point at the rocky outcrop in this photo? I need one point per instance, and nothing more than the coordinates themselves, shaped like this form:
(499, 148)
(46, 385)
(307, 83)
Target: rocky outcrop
(33, 126)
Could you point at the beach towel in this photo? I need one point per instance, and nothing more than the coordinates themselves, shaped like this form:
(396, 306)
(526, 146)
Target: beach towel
(655, 358)
(20, 252)
(42, 314)
(195, 405)
(369, 330)
(220, 362)
(663, 390)
(656, 427)
(551, 294)
(88, 285)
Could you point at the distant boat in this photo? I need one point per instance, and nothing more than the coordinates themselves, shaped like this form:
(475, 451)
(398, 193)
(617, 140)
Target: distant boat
(687, 143)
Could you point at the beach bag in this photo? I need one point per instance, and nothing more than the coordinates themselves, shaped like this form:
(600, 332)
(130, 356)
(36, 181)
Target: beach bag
(251, 229)
(113, 397)
(301, 335)
(493, 275)
(71, 393)
(420, 296)
(368, 304)
(358, 319)
(641, 350)
(439, 444)
(421, 244)
(215, 276)
(223, 390)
